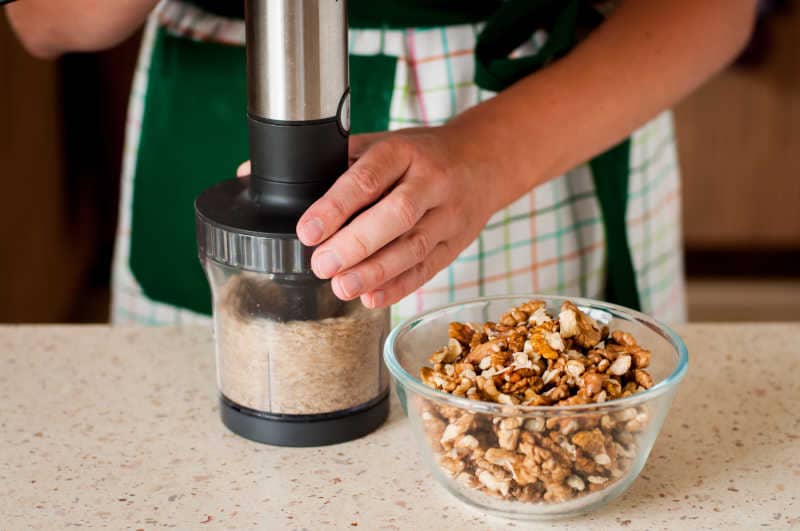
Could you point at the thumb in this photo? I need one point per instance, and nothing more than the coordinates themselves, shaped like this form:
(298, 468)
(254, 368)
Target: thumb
(244, 169)
(360, 143)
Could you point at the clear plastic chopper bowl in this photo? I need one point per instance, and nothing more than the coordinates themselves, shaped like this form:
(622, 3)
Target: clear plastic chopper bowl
(630, 424)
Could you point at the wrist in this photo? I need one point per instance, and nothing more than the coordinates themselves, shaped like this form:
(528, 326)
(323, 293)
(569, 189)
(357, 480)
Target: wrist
(507, 151)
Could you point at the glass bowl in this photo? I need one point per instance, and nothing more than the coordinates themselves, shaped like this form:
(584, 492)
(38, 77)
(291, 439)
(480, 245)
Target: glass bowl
(566, 485)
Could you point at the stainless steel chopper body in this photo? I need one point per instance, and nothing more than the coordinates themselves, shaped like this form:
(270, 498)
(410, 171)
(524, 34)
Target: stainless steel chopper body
(259, 272)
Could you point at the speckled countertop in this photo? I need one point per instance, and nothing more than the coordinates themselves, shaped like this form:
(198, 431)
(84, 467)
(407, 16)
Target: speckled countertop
(118, 428)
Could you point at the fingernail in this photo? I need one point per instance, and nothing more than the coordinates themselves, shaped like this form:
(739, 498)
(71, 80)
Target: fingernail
(351, 284)
(327, 264)
(310, 232)
(377, 299)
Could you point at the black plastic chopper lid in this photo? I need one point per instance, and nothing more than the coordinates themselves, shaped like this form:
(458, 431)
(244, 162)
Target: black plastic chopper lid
(235, 230)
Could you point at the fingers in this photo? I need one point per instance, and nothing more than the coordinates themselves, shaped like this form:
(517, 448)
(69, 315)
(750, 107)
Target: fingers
(244, 169)
(362, 184)
(401, 255)
(390, 218)
(411, 280)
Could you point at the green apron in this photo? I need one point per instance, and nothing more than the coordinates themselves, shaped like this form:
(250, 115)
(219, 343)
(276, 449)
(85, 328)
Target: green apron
(194, 132)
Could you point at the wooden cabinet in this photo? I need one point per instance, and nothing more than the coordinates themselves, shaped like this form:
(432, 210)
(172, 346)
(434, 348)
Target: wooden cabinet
(44, 251)
(739, 142)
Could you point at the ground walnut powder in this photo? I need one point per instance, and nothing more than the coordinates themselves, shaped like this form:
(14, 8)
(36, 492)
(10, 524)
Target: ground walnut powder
(299, 367)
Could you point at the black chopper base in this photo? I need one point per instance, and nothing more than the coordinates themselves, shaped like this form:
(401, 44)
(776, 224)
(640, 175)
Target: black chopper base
(304, 430)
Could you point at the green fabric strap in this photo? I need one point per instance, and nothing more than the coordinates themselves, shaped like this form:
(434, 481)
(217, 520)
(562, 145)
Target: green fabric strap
(388, 14)
(611, 171)
(371, 88)
(193, 134)
(401, 14)
(564, 22)
(514, 23)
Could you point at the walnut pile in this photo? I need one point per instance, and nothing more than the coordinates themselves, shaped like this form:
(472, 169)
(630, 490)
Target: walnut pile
(532, 358)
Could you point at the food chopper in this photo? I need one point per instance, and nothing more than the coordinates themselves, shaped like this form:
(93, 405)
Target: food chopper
(295, 365)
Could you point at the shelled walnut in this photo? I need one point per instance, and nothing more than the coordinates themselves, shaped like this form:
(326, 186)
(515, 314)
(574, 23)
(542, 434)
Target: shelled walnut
(531, 358)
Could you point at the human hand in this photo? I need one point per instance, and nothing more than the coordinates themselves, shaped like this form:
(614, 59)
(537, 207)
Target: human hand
(430, 195)
(429, 198)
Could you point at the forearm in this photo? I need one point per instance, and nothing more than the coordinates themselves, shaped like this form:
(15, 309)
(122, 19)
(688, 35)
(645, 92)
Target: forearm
(48, 28)
(644, 59)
